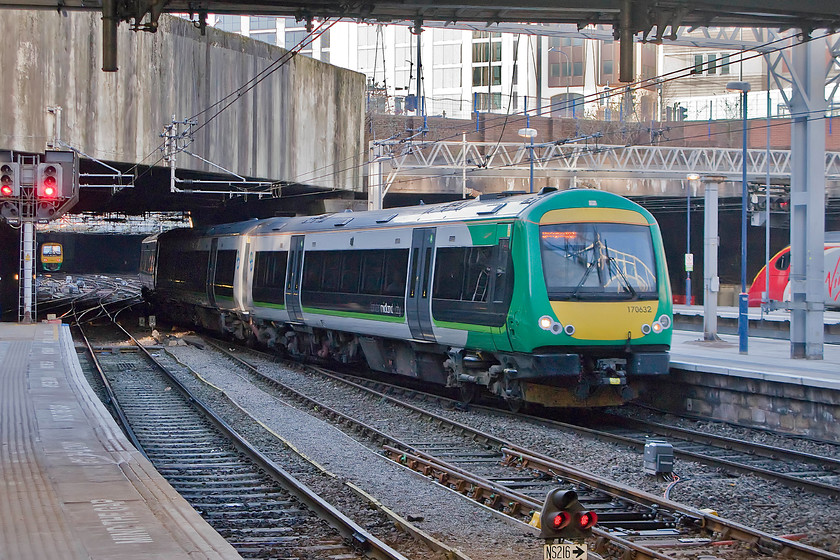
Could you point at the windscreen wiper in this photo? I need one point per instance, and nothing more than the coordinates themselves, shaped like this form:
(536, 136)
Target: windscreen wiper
(589, 266)
(611, 263)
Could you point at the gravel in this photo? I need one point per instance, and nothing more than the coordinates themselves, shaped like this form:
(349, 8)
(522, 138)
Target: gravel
(475, 530)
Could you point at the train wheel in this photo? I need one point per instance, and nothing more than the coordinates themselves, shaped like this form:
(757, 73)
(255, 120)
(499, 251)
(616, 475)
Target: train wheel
(469, 392)
(513, 395)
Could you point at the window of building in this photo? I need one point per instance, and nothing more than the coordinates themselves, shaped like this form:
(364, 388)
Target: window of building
(447, 78)
(366, 35)
(698, 64)
(447, 54)
(481, 101)
(447, 36)
(712, 64)
(294, 38)
(485, 34)
(229, 23)
(481, 73)
(257, 23)
(367, 58)
(270, 38)
(481, 51)
(724, 64)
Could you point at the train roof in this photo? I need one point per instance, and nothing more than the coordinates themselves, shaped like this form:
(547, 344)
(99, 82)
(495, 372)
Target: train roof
(505, 205)
(496, 206)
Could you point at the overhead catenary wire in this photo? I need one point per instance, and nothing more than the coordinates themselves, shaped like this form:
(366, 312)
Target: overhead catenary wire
(673, 75)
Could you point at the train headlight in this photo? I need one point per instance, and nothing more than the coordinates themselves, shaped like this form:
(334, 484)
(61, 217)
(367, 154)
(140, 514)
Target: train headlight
(657, 327)
(570, 330)
(545, 322)
(645, 329)
(665, 321)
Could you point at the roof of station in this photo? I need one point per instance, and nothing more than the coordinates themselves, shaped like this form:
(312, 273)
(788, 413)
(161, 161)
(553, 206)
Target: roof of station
(645, 15)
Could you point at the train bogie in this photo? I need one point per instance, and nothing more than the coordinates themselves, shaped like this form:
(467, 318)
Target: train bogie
(560, 299)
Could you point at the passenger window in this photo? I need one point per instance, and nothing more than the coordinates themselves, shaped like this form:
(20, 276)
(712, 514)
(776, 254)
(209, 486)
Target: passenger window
(313, 267)
(350, 272)
(372, 272)
(396, 262)
(477, 278)
(449, 273)
(332, 266)
(503, 265)
(783, 262)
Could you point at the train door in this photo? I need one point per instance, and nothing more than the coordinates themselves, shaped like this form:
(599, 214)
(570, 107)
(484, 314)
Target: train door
(418, 303)
(211, 271)
(244, 261)
(293, 279)
(502, 280)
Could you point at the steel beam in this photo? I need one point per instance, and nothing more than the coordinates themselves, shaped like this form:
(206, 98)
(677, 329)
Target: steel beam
(807, 216)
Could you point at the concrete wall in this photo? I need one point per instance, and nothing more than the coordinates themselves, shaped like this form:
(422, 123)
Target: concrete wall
(783, 407)
(302, 123)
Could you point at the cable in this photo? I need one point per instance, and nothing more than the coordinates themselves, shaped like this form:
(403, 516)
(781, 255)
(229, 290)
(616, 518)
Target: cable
(241, 90)
(676, 74)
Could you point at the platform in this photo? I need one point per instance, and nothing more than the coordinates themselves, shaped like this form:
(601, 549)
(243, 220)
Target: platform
(773, 324)
(72, 485)
(764, 388)
(767, 359)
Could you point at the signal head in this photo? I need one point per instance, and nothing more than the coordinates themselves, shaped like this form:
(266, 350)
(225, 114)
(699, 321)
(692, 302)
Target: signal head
(561, 520)
(563, 517)
(9, 180)
(586, 520)
(48, 181)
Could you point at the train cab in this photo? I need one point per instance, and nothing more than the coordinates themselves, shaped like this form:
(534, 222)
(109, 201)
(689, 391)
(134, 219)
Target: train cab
(52, 256)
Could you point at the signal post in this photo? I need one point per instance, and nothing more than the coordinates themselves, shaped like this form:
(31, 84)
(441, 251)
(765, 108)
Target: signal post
(565, 525)
(35, 189)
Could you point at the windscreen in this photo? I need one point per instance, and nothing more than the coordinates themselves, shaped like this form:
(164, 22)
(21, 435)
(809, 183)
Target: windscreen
(598, 261)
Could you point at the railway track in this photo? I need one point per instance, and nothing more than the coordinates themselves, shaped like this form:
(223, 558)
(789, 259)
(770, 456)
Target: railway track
(254, 503)
(514, 480)
(796, 469)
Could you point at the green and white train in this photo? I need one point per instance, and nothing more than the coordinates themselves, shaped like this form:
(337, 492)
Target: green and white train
(557, 298)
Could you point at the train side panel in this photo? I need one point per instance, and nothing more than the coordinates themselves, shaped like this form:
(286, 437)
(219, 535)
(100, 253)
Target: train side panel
(779, 272)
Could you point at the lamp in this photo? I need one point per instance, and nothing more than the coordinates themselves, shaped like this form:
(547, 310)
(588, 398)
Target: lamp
(743, 303)
(530, 133)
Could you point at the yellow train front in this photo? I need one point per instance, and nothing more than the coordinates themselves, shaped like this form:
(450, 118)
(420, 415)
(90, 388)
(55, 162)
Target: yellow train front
(591, 312)
(52, 256)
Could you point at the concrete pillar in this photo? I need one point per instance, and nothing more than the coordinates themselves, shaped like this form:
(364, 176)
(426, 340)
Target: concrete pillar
(711, 242)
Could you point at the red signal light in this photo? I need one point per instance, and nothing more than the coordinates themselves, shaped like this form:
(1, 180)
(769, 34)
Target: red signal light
(561, 520)
(6, 190)
(587, 519)
(49, 181)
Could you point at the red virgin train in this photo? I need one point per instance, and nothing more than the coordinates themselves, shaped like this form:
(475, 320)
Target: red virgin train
(780, 275)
